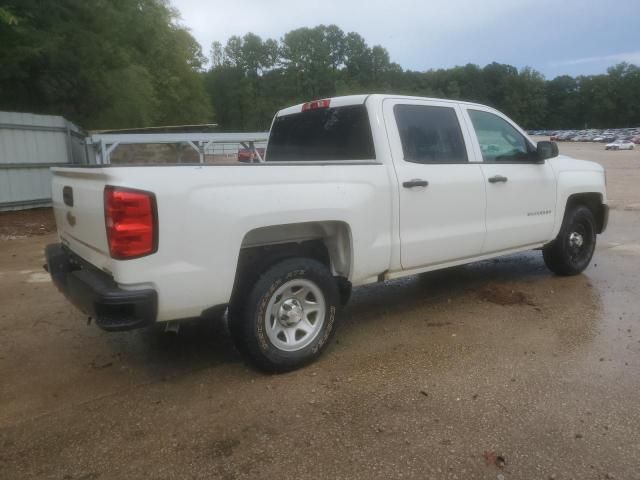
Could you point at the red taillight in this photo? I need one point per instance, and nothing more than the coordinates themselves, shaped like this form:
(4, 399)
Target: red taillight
(130, 218)
(316, 104)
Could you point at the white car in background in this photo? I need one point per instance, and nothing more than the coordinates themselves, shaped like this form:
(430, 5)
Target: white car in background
(619, 145)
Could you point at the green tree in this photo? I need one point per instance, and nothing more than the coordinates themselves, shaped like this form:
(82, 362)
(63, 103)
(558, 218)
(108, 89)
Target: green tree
(217, 55)
(6, 17)
(358, 61)
(127, 63)
(312, 56)
(563, 103)
(322, 61)
(102, 64)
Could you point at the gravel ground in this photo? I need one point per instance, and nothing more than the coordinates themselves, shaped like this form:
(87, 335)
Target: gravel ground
(493, 370)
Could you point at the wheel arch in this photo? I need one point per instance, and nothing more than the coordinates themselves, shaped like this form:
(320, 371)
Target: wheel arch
(594, 202)
(329, 242)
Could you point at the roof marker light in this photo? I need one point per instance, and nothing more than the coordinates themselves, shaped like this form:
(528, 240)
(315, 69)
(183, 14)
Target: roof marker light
(316, 104)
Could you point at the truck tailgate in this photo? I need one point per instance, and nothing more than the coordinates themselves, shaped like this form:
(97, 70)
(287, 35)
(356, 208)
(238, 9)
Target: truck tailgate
(78, 204)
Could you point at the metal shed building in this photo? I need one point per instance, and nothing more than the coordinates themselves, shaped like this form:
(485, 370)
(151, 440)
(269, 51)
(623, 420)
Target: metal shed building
(29, 145)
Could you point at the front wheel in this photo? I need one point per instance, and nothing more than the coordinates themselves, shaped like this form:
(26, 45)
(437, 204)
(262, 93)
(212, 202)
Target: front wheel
(288, 316)
(572, 250)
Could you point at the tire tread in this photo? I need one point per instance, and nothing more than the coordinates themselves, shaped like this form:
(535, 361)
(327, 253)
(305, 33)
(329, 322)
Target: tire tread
(242, 313)
(555, 254)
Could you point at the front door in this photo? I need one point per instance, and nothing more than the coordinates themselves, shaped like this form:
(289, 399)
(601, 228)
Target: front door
(441, 186)
(521, 191)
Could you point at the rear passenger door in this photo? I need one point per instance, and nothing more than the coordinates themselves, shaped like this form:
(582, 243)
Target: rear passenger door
(441, 187)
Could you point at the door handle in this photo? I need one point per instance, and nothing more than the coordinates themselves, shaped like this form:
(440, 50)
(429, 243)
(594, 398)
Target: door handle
(415, 182)
(497, 178)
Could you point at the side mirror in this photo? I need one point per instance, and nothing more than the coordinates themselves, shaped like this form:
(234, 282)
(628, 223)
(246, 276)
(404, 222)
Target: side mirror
(546, 150)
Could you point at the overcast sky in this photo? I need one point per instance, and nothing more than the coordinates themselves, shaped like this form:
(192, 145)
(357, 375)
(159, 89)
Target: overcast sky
(553, 36)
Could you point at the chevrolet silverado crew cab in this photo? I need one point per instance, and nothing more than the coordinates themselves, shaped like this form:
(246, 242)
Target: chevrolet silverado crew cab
(353, 190)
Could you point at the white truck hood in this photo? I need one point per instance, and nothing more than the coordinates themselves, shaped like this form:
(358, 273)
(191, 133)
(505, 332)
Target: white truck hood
(563, 163)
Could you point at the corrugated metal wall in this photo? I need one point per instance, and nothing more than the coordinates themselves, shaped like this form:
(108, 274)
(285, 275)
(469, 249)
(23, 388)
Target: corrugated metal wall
(29, 145)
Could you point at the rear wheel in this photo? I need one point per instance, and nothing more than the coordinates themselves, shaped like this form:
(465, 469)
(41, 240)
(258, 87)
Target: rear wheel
(572, 250)
(288, 316)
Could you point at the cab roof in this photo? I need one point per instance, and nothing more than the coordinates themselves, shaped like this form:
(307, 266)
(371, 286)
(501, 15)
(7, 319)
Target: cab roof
(360, 100)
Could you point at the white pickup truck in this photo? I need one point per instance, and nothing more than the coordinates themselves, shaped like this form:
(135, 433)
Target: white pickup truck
(353, 190)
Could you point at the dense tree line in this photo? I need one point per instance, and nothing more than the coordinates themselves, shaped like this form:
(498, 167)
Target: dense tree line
(101, 63)
(129, 63)
(251, 78)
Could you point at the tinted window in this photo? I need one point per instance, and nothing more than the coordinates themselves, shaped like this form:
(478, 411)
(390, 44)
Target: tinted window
(430, 134)
(499, 140)
(341, 133)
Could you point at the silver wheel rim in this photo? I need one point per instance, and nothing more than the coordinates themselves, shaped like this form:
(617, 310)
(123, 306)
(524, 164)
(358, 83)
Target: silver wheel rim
(295, 315)
(576, 240)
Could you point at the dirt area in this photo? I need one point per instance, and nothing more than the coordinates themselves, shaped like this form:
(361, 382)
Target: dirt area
(496, 370)
(26, 223)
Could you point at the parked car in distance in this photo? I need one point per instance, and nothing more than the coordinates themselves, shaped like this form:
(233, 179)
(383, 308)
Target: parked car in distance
(591, 135)
(354, 190)
(619, 145)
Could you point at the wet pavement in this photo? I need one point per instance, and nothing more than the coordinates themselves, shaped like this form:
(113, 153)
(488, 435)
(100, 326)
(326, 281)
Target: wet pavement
(493, 370)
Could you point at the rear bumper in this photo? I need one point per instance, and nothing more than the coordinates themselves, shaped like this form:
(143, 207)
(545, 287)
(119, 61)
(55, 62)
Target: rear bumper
(95, 292)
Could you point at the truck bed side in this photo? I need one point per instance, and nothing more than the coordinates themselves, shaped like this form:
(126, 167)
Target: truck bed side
(206, 214)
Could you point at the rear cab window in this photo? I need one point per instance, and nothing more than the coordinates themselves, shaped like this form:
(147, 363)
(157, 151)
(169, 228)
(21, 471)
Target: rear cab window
(323, 134)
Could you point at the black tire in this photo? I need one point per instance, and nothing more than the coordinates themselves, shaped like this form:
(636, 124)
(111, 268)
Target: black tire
(571, 251)
(248, 323)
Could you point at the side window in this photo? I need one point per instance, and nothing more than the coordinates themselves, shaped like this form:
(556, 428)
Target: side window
(430, 134)
(499, 141)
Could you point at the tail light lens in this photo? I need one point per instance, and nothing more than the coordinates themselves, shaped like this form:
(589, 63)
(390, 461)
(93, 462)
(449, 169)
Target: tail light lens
(132, 223)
